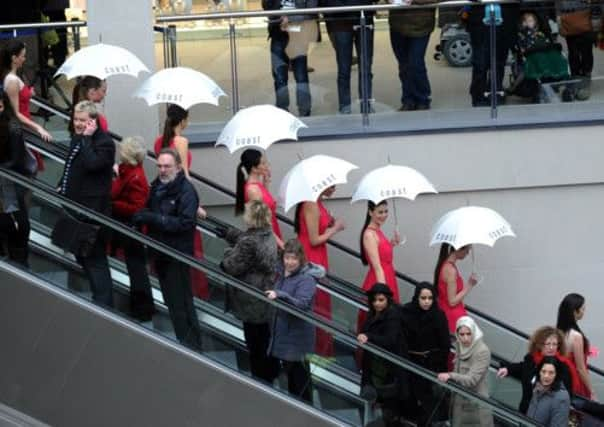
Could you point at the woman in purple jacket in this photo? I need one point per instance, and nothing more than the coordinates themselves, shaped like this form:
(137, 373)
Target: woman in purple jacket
(293, 338)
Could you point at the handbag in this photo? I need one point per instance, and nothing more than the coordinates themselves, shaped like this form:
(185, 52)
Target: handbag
(575, 23)
(75, 236)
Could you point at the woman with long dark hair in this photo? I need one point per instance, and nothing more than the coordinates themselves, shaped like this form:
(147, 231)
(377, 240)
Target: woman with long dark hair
(570, 311)
(177, 119)
(314, 226)
(550, 404)
(90, 88)
(377, 251)
(14, 220)
(450, 286)
(427, 333)
(253, 174)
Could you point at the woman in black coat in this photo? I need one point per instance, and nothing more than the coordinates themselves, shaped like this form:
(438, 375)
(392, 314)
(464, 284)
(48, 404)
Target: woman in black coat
(427, 333)
(383, 328)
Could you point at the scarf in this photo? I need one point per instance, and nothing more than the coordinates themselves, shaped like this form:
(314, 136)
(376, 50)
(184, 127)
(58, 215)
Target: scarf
(468, 322)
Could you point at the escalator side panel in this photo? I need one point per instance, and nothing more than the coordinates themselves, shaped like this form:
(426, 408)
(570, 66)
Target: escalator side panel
(68, 363)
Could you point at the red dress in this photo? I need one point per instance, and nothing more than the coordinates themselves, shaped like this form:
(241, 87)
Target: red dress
(318, 255)
(268, 200)
(158, 147)
(199, 281)
(385, 252)
(25, 94)
(452, 312)
(103, 123)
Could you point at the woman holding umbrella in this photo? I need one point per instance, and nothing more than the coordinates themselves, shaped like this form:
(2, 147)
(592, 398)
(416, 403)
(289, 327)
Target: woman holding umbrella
(314, 226)
(177, 119)
(450, 286)
(253, 173)
(377, 251)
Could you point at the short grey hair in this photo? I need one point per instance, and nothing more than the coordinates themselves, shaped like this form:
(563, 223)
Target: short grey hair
(132, 150)
(87, 107)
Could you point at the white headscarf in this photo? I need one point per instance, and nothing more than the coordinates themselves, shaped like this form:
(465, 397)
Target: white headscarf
(468, 322)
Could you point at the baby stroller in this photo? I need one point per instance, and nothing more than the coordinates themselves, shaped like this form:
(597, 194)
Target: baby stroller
(538, 72)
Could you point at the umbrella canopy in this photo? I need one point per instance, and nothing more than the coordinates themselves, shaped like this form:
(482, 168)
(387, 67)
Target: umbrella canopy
(310, 177)
(259, 126)
(392, 181)
(181, 86)
(470, 225)
(101, 60)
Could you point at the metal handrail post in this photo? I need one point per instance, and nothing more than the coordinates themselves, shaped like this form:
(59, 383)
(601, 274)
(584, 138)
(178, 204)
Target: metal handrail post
(76, 38)
(234, 71)
(172, 38)
(493, 73)
(364, 80)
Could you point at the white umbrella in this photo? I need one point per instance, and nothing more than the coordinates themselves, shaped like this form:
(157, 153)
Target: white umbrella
(310, 177)
(259, 126)
(101, 60)
(470, 225)
(392, 181)
(180, 85)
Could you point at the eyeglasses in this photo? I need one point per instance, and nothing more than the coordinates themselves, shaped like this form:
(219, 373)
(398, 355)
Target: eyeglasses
(550, 344)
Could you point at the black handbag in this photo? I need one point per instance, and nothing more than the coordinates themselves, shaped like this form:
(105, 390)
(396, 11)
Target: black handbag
(75, 236)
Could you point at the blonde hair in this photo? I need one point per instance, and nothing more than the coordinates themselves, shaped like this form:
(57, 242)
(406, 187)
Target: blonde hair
(132, 150)
(87, 107)
(257, 214)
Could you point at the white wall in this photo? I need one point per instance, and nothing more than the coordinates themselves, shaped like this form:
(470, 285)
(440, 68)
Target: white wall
(548, 183)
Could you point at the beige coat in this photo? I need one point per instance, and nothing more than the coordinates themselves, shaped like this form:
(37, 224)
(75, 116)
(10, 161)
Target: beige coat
(471, 372)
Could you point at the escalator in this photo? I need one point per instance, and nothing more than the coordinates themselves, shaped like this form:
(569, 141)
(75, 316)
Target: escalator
(59, 320)
(505, 342)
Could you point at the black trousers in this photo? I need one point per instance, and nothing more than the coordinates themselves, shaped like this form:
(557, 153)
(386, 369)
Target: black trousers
(257, 337)
(14, 228)
(141, 298)
(298, 379)
(580, 54)
(175, 282)
(96, 268)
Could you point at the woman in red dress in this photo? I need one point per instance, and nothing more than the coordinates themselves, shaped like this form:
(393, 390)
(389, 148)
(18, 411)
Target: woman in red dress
(253, 175)
(377, 252)
(11, 61)
(450, 285)
(177, 119)
(315, 226)
(90, 88)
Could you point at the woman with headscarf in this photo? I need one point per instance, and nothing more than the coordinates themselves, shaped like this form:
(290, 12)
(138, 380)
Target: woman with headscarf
(383, 328)
(471, 371)
(427, 333)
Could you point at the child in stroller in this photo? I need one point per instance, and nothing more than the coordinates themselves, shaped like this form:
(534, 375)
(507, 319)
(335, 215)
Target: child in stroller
(538, 60)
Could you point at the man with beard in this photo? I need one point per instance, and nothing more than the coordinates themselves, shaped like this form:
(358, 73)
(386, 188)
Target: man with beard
(170, 217)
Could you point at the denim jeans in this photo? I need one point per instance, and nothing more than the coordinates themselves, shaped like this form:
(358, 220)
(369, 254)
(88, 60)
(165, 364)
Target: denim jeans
(410, 53)
(280, 68)
(343, 42)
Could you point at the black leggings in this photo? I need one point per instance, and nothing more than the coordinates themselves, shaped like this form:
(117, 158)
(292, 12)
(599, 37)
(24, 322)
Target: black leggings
(14, 229)
(580, 54)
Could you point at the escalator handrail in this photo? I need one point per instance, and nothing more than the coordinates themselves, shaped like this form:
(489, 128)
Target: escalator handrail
(52, 197)
(226, 191)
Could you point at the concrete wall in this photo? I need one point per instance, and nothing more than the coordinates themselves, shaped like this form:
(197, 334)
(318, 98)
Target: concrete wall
(548, 183)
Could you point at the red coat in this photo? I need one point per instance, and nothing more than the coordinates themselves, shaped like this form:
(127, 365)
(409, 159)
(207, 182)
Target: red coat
(129, 191)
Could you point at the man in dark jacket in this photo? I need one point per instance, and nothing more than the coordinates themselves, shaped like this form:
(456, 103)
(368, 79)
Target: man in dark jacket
(170, 216)
(344, 31)
(87, 180)
(278, 29)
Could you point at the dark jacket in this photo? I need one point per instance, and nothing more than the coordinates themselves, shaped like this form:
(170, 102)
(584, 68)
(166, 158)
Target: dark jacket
(550, 408)
(413, 22)
(171, 213)
(253, 259)
(291, 337)
(300, 4)
(13, 158)
(129, 191)
(526, 371)
(384, 330)
(427, 334)
(89, 177)
(346, 21)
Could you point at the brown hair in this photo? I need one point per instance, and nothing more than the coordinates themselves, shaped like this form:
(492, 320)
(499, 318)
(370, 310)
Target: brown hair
(537, 340)
(172, 153)
(257, 214)
(294, 247)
